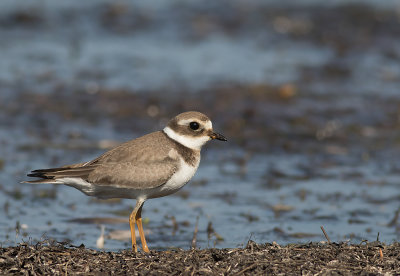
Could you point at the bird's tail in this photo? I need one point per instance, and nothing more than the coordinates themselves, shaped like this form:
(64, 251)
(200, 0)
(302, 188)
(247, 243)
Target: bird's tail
(51, 175)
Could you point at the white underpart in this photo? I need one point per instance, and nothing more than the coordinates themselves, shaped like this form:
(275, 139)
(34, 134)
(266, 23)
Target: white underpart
(188, 141)
(78, 183)
(178, 179)
(102, 191)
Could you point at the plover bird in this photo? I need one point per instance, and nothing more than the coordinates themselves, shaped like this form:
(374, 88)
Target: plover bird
(154, 165)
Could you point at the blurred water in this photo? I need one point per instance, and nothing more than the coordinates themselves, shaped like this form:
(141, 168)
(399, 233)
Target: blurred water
(57, 56)
(139, 45)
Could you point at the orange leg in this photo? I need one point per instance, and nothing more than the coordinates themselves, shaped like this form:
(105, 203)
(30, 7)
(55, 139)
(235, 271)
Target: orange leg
(140, 227)
(133, 219)
(132, 222)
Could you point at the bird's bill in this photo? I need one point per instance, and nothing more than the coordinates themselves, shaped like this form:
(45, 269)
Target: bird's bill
(217, 136)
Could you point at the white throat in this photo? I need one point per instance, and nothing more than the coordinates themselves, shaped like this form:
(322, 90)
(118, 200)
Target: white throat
(194, 143)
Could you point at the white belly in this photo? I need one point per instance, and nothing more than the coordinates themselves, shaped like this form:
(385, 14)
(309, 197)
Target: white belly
(178, 179)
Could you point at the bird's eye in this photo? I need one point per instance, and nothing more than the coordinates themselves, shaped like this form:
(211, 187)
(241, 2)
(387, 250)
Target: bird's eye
(194, 125)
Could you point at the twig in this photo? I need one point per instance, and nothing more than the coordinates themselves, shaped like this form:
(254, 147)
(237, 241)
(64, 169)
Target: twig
(247, 268)
(193, 271)
(196, 229)
(380, 254)
(325, 234)
(66, 267)
(174, 225)
(210, 230)
(393, 222)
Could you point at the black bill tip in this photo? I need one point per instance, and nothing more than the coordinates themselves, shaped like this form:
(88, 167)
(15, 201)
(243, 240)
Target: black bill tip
(218, 136)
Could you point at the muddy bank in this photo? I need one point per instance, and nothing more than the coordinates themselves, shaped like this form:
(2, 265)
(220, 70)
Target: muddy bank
(255, 259)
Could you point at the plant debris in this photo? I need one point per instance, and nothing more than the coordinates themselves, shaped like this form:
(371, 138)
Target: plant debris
(254, 259)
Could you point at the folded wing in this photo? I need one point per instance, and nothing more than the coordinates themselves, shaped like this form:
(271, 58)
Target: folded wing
(127, 166)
